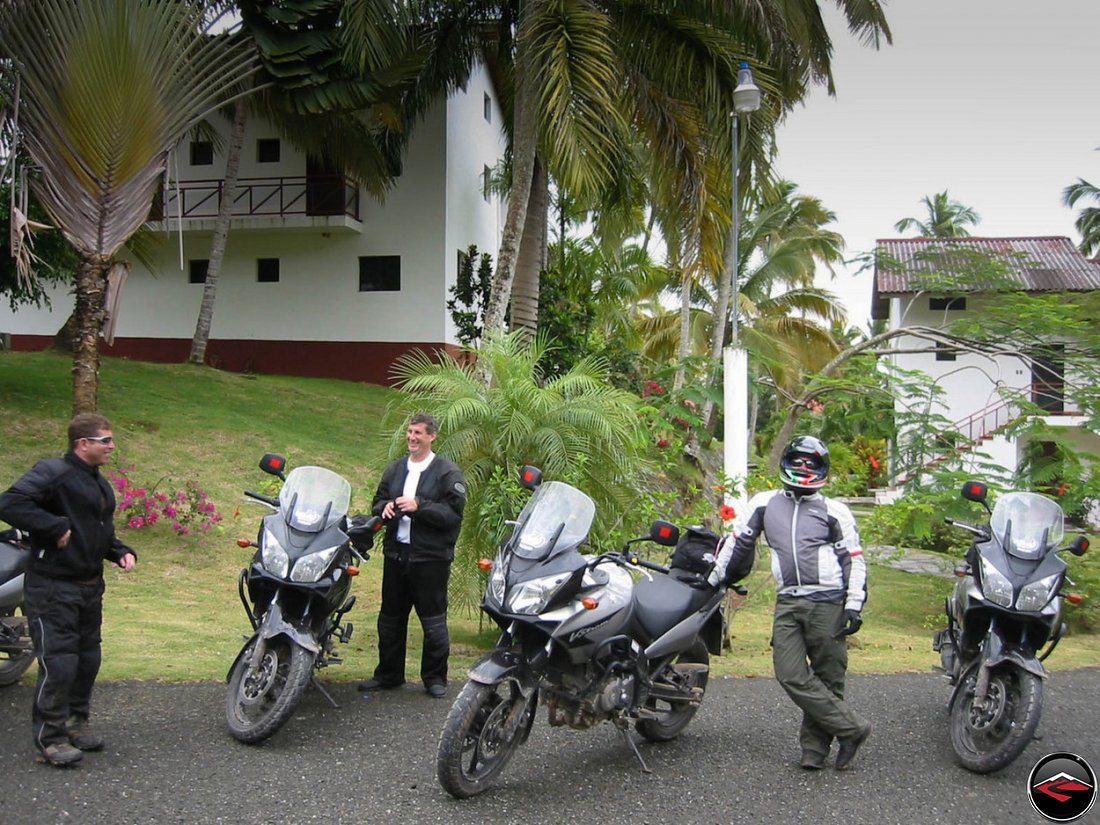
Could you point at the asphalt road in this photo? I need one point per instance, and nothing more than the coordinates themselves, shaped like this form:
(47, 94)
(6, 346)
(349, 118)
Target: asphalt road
(170, 759)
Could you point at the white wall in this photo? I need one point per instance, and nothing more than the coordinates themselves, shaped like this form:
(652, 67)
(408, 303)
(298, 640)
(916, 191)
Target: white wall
(317, 297)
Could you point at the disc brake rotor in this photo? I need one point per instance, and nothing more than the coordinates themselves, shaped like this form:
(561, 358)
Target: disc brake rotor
(257, 682)
(982, 716)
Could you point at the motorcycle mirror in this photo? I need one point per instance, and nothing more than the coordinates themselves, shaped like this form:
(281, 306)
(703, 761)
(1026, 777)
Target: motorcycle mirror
(975, 491)
(1079, 546)
(274, 464)
(362, 531)
(665, 533)
(530, 477)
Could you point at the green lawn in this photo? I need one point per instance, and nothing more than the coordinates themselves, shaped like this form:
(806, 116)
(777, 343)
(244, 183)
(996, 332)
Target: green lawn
(178, 617)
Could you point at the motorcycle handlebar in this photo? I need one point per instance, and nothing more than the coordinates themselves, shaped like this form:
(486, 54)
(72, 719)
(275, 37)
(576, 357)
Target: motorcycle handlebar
(274, 502)
(977, 530)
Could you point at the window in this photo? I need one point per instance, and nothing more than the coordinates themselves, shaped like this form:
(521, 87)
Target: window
(945, 352)
(380, 273)
(487, 106)
(947, 303)
(267, 150)
(198, 268)
(486, 174)
(202, 153)
(267, 270)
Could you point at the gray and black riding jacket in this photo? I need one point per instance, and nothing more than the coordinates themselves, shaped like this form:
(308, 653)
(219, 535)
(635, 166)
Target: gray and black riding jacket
(814, 544)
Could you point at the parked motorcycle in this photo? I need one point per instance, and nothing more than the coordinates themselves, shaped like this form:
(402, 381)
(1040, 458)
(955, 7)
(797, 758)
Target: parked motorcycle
(297, 595)
(16, 648)
(582, 633)
(1006, 606)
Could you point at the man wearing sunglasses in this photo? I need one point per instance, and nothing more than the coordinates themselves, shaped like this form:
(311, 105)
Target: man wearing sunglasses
(67, 508)
(821, 587)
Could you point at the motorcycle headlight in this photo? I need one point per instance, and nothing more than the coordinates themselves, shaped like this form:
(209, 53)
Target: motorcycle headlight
(310, 568)
(531, 597)
(995, 586)
(1035, 596)
(274, 556)
(494, 593)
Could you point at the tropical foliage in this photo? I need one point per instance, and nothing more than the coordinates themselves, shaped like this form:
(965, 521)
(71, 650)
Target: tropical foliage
(944, 218)
(1088, 219)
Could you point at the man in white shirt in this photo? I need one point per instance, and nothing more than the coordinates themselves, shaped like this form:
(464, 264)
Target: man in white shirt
(422, 498)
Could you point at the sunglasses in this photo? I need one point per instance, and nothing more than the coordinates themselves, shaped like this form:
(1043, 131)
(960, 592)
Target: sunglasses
(100, 439)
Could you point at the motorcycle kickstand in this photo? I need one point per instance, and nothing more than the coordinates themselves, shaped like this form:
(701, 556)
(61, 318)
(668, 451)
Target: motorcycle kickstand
(624, 729)
(313, 681)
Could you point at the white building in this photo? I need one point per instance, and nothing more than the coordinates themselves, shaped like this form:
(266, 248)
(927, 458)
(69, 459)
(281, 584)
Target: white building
(909, 290)
(319, 279)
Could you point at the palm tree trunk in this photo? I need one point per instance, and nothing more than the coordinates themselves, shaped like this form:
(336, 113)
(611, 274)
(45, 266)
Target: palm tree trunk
(684, 345)
(221, 235)
(91, 295)
(531, 259)
(721, 314)
(523, 169)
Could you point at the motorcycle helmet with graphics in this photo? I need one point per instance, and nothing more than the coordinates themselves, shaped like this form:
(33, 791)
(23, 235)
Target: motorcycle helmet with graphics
(805, 464)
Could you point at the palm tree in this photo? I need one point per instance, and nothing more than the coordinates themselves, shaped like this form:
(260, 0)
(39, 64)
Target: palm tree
(946, 218)
(107, 88)
(575, 427)
(595, 89)
(784, 320)
(1088, 220)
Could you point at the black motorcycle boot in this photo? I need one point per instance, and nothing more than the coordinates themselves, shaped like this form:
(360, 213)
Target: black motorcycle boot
(82, 736)
(437, 650)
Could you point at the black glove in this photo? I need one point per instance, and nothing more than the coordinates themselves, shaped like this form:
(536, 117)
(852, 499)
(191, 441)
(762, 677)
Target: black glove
(850, 623)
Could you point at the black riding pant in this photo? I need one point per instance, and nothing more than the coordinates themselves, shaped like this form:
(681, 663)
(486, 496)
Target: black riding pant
(65, 620)
(421, 586)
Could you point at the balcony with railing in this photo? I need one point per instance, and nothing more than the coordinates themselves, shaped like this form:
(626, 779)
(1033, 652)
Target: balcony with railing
(324, 201)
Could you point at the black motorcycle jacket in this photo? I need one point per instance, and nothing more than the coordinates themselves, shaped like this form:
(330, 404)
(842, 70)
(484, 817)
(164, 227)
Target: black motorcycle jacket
(815, 547)
(441, 500)
(60, 494)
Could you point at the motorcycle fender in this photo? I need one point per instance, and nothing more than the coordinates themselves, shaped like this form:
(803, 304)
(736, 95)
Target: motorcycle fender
(237, 658)
(495, 667)
(996, 652)
(274, 625)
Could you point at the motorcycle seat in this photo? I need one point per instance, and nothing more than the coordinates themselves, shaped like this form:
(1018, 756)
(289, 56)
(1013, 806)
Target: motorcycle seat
(662, 602)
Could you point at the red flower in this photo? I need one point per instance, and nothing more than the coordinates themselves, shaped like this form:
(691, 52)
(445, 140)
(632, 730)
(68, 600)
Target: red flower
(874, 462)
(726, 513)
(662, 443)
(1062, 489)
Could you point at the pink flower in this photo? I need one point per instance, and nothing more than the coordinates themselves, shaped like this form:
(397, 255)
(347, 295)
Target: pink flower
(136, 523)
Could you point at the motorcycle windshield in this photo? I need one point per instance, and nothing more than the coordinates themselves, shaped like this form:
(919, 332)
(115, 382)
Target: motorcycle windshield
(557, 518)
(1032, 524)
(313, 499)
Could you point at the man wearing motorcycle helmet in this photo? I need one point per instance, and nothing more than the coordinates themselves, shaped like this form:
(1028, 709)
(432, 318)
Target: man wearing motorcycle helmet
(821, 587)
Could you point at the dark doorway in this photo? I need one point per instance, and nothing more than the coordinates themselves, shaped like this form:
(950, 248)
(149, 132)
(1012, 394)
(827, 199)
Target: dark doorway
(324, 188)
(1048, 378)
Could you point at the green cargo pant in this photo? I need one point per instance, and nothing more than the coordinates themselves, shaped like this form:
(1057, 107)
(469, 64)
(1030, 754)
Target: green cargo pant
(810, 664)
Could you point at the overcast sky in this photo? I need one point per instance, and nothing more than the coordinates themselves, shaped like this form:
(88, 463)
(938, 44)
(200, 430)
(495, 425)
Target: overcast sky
(993, 100)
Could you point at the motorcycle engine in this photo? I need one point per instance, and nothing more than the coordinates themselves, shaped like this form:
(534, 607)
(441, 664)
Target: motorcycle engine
(608, 698)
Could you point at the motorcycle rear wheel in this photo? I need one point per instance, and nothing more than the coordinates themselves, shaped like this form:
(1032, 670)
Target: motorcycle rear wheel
(476, 745)
(693, 665)
(13, 664)
(987, 736)
(260, 701)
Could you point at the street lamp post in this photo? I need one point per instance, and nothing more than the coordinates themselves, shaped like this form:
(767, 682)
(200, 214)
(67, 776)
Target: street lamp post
(735, 360)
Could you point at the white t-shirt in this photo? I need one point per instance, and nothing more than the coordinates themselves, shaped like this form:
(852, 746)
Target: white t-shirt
(411, 481)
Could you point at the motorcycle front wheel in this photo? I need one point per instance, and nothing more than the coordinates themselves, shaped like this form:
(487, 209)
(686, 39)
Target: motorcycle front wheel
(988, 735)
(483, 729)
(690, 670)
(261, 700)
(16, 632)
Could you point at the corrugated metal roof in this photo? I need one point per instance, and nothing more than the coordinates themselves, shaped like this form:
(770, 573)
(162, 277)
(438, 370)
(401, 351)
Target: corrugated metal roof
(907, 265)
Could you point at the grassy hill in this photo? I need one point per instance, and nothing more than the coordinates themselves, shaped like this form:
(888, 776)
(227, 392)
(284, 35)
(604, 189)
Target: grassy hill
(178, 617)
